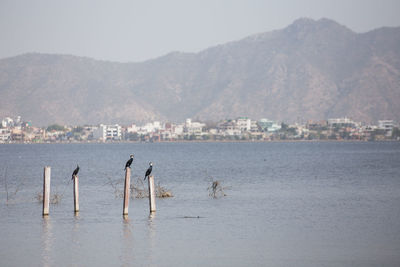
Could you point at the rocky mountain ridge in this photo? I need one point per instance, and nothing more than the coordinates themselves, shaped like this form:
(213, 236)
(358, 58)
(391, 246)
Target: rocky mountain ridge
(308, 70)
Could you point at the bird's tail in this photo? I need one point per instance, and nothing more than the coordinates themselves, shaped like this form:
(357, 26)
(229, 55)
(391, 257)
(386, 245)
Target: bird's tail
(145, 178)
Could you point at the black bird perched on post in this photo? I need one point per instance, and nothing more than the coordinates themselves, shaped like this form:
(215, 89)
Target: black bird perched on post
(148, 172)
(75, 173)
(129, 162)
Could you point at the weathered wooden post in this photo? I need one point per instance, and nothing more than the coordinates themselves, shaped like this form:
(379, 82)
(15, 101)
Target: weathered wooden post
(152, 194)
(46, 190)
(76, 193)
(127, 190)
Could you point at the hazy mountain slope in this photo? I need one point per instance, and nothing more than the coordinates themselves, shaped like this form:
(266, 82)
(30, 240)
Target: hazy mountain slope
(308, 70)
(66, 89)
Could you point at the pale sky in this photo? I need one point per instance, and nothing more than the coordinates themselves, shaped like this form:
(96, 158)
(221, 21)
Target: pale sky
(127, 31)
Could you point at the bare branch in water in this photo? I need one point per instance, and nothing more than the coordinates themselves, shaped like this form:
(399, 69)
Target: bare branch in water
(54, 198)
(139, 190)
(118, 193)
(216, 190)
(39, 196)
(162, 192)
(10, 196)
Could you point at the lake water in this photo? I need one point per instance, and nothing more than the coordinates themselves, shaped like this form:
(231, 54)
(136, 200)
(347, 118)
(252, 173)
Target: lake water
(287, 204)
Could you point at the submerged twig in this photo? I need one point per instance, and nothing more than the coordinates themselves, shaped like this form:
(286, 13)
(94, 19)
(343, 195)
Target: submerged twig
(54, 198)
(114, 184)
(215, 190)
(139, 190)
(9, 195)
(162, 192)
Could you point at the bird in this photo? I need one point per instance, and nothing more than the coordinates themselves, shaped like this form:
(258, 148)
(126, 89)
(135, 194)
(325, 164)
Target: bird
(129, 162)
(148, 172)
(75, 173)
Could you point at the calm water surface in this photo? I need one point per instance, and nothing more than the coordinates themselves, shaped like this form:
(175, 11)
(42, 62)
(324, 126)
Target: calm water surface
(287, 204)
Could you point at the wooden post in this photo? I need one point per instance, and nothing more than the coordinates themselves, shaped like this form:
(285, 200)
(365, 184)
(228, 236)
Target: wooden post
(152, 194)
(127, 190)
(76, 193)
(46, 190)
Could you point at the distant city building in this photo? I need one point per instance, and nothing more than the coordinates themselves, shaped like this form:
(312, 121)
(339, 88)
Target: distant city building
(18, 121)
(243, 124)
(387, 126)
(132, 129)
(242, 128)
(316, 125)
(156, 125)
(254, 126)
(108, 132)
(17, 135)
(228, 127)
(5, 135)
(268, 125)
(7, 122)
(178, 129)
(342, 122)
(150, 127)
(193, 128)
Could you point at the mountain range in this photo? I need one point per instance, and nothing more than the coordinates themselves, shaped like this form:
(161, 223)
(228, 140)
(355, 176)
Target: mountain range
(310, 70)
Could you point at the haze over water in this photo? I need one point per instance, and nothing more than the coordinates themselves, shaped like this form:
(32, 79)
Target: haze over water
(287, 204)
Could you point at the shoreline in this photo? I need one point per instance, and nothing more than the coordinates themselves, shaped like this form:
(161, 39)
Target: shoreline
(205, 141)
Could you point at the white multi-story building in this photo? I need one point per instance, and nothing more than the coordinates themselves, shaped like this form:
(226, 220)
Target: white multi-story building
(195, 128)
(386, 125)
(178, 129)
(5, 135)
(18, 121)
(108, 132)
(157, 125)
(7, 122)
(132, 129)
(341, 122)
(268, 125)
(254, 126)
(150, 127)
(243, 124)
(172, 131)
(228, 127)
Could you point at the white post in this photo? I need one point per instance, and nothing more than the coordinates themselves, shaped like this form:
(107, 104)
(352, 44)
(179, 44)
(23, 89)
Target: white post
(152, 194)
(127, 190)
(46, 190)
(76, 193)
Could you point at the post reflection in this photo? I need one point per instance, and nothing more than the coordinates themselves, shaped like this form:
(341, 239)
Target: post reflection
(151, 236)
(151, 222)
(128, 255)
(76, 237)
(47, 241)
